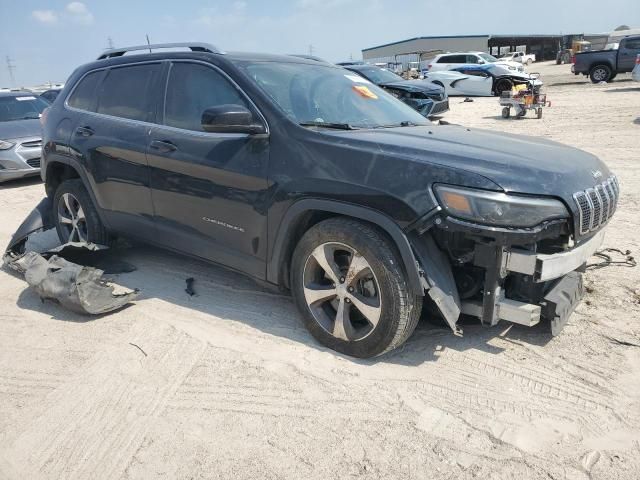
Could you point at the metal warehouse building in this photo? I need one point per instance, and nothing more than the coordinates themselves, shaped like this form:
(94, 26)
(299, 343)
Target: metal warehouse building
(424, 48)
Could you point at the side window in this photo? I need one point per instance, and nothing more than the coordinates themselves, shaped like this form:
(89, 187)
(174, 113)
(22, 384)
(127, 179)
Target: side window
(444, 59)
(191, 89)
(84, 95)
(472, 59)
(126, 92)
(457, 59)
(633, 44)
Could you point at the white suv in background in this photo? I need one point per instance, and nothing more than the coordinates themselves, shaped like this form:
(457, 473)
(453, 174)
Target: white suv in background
(447, 61)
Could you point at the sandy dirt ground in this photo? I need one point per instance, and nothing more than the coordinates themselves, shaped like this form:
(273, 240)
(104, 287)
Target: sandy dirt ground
(228, 384)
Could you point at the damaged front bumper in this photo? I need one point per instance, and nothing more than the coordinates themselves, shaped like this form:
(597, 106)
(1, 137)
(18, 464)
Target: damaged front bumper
(499, 274)
(79, 288)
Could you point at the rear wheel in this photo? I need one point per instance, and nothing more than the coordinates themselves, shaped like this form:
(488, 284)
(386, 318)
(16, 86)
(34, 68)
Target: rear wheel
(348, 282)
(529, 62)
(539, 113)
(75, 215)
(506, 112)
(600, 73)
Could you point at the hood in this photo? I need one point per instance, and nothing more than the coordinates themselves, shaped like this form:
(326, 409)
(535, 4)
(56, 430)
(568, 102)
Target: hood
(20, 129)
(518, 164)
(415, 86)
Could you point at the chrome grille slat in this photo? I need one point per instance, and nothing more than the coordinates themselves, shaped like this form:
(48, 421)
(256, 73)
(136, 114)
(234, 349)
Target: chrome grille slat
(597, 205)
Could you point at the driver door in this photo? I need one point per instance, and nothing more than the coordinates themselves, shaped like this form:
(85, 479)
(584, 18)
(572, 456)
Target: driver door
(208, 189)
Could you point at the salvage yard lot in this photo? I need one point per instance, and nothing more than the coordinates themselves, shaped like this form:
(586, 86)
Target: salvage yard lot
(229, 384)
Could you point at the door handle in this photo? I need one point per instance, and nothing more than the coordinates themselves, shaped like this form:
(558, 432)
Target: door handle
(84, 131)
(163, 146)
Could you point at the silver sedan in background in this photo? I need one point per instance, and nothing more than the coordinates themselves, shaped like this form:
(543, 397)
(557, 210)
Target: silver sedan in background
(20, 134)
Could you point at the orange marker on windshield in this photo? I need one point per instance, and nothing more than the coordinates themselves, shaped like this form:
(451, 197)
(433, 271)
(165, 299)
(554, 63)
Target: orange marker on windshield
(364, 92)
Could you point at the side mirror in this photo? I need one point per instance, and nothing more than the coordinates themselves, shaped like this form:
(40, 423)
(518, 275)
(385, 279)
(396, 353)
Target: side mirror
(230, 119)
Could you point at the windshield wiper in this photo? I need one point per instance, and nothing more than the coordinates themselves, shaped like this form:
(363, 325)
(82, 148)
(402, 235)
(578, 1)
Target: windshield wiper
(336, 126)
(404, 123)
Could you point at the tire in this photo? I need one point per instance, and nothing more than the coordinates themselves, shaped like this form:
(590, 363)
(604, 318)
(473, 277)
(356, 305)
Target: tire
(529, 62)
(539, 113)
(506, 112)
(600, 73)
(391, 309)
(75, 216)
(503, 85)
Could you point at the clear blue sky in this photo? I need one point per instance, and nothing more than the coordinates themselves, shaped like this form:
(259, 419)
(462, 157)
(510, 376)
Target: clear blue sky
(47, 39)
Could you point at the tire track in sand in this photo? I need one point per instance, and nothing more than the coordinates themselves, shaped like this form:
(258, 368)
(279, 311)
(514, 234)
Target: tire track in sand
(91, 426)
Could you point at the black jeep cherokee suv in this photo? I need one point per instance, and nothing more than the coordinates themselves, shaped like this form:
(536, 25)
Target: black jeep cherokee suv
(299, 174)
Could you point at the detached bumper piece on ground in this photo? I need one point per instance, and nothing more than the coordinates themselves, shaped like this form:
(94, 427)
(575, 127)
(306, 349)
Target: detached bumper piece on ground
(79, 288)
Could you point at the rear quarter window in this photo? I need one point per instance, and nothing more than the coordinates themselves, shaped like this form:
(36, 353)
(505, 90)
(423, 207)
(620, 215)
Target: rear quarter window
(84, 95)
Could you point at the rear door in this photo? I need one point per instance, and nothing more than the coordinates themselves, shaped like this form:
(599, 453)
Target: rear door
(627, 52)
(110, 139)
(208, 188)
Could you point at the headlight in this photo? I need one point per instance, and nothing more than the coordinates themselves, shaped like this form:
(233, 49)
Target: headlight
(5, 145)
(499, 209)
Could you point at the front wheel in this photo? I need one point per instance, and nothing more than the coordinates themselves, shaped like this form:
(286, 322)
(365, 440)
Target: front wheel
(506, 112)
(348, 282)
(75, 215)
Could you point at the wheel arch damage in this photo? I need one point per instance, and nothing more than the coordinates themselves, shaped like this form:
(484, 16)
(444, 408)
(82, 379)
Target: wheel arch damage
(77, 287)
(428, 269)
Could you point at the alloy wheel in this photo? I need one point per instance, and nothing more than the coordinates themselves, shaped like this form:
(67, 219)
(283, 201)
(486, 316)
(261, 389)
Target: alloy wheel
(72, 219)
(342, 291)
(600, 74)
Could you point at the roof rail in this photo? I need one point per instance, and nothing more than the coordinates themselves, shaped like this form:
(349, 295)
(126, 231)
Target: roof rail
(195, 47)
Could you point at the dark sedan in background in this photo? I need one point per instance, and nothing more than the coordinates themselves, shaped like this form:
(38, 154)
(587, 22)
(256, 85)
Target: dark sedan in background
(20, 134)
(423, 96)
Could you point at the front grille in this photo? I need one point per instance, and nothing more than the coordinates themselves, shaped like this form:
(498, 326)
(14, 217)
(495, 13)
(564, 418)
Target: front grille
(596, 205)
(32, 144)
(34, 162)
(440, 107)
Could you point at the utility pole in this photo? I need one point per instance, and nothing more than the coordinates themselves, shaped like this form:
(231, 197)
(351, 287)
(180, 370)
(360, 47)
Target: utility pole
(148, 42)
(110, 44)
(11, 67)
(310, 50)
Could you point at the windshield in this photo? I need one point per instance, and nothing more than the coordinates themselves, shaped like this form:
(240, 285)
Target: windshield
(488, 58)
(21, 108)
(379, 75)
(326, 95)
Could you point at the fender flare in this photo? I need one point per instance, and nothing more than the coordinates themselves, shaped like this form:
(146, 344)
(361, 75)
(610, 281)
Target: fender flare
(77, 166)
(300, 207)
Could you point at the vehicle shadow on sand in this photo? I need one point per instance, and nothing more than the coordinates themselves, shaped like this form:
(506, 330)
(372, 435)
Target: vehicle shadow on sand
(623, 90)
(21, 182)
(230, 296)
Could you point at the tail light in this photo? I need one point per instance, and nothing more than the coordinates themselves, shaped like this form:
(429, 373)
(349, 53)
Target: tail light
(573, 59)
(638, 59)
(429, 66)
(43, 116)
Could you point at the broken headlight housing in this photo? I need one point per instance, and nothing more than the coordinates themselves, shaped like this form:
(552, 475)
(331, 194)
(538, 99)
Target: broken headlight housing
(498, 209)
